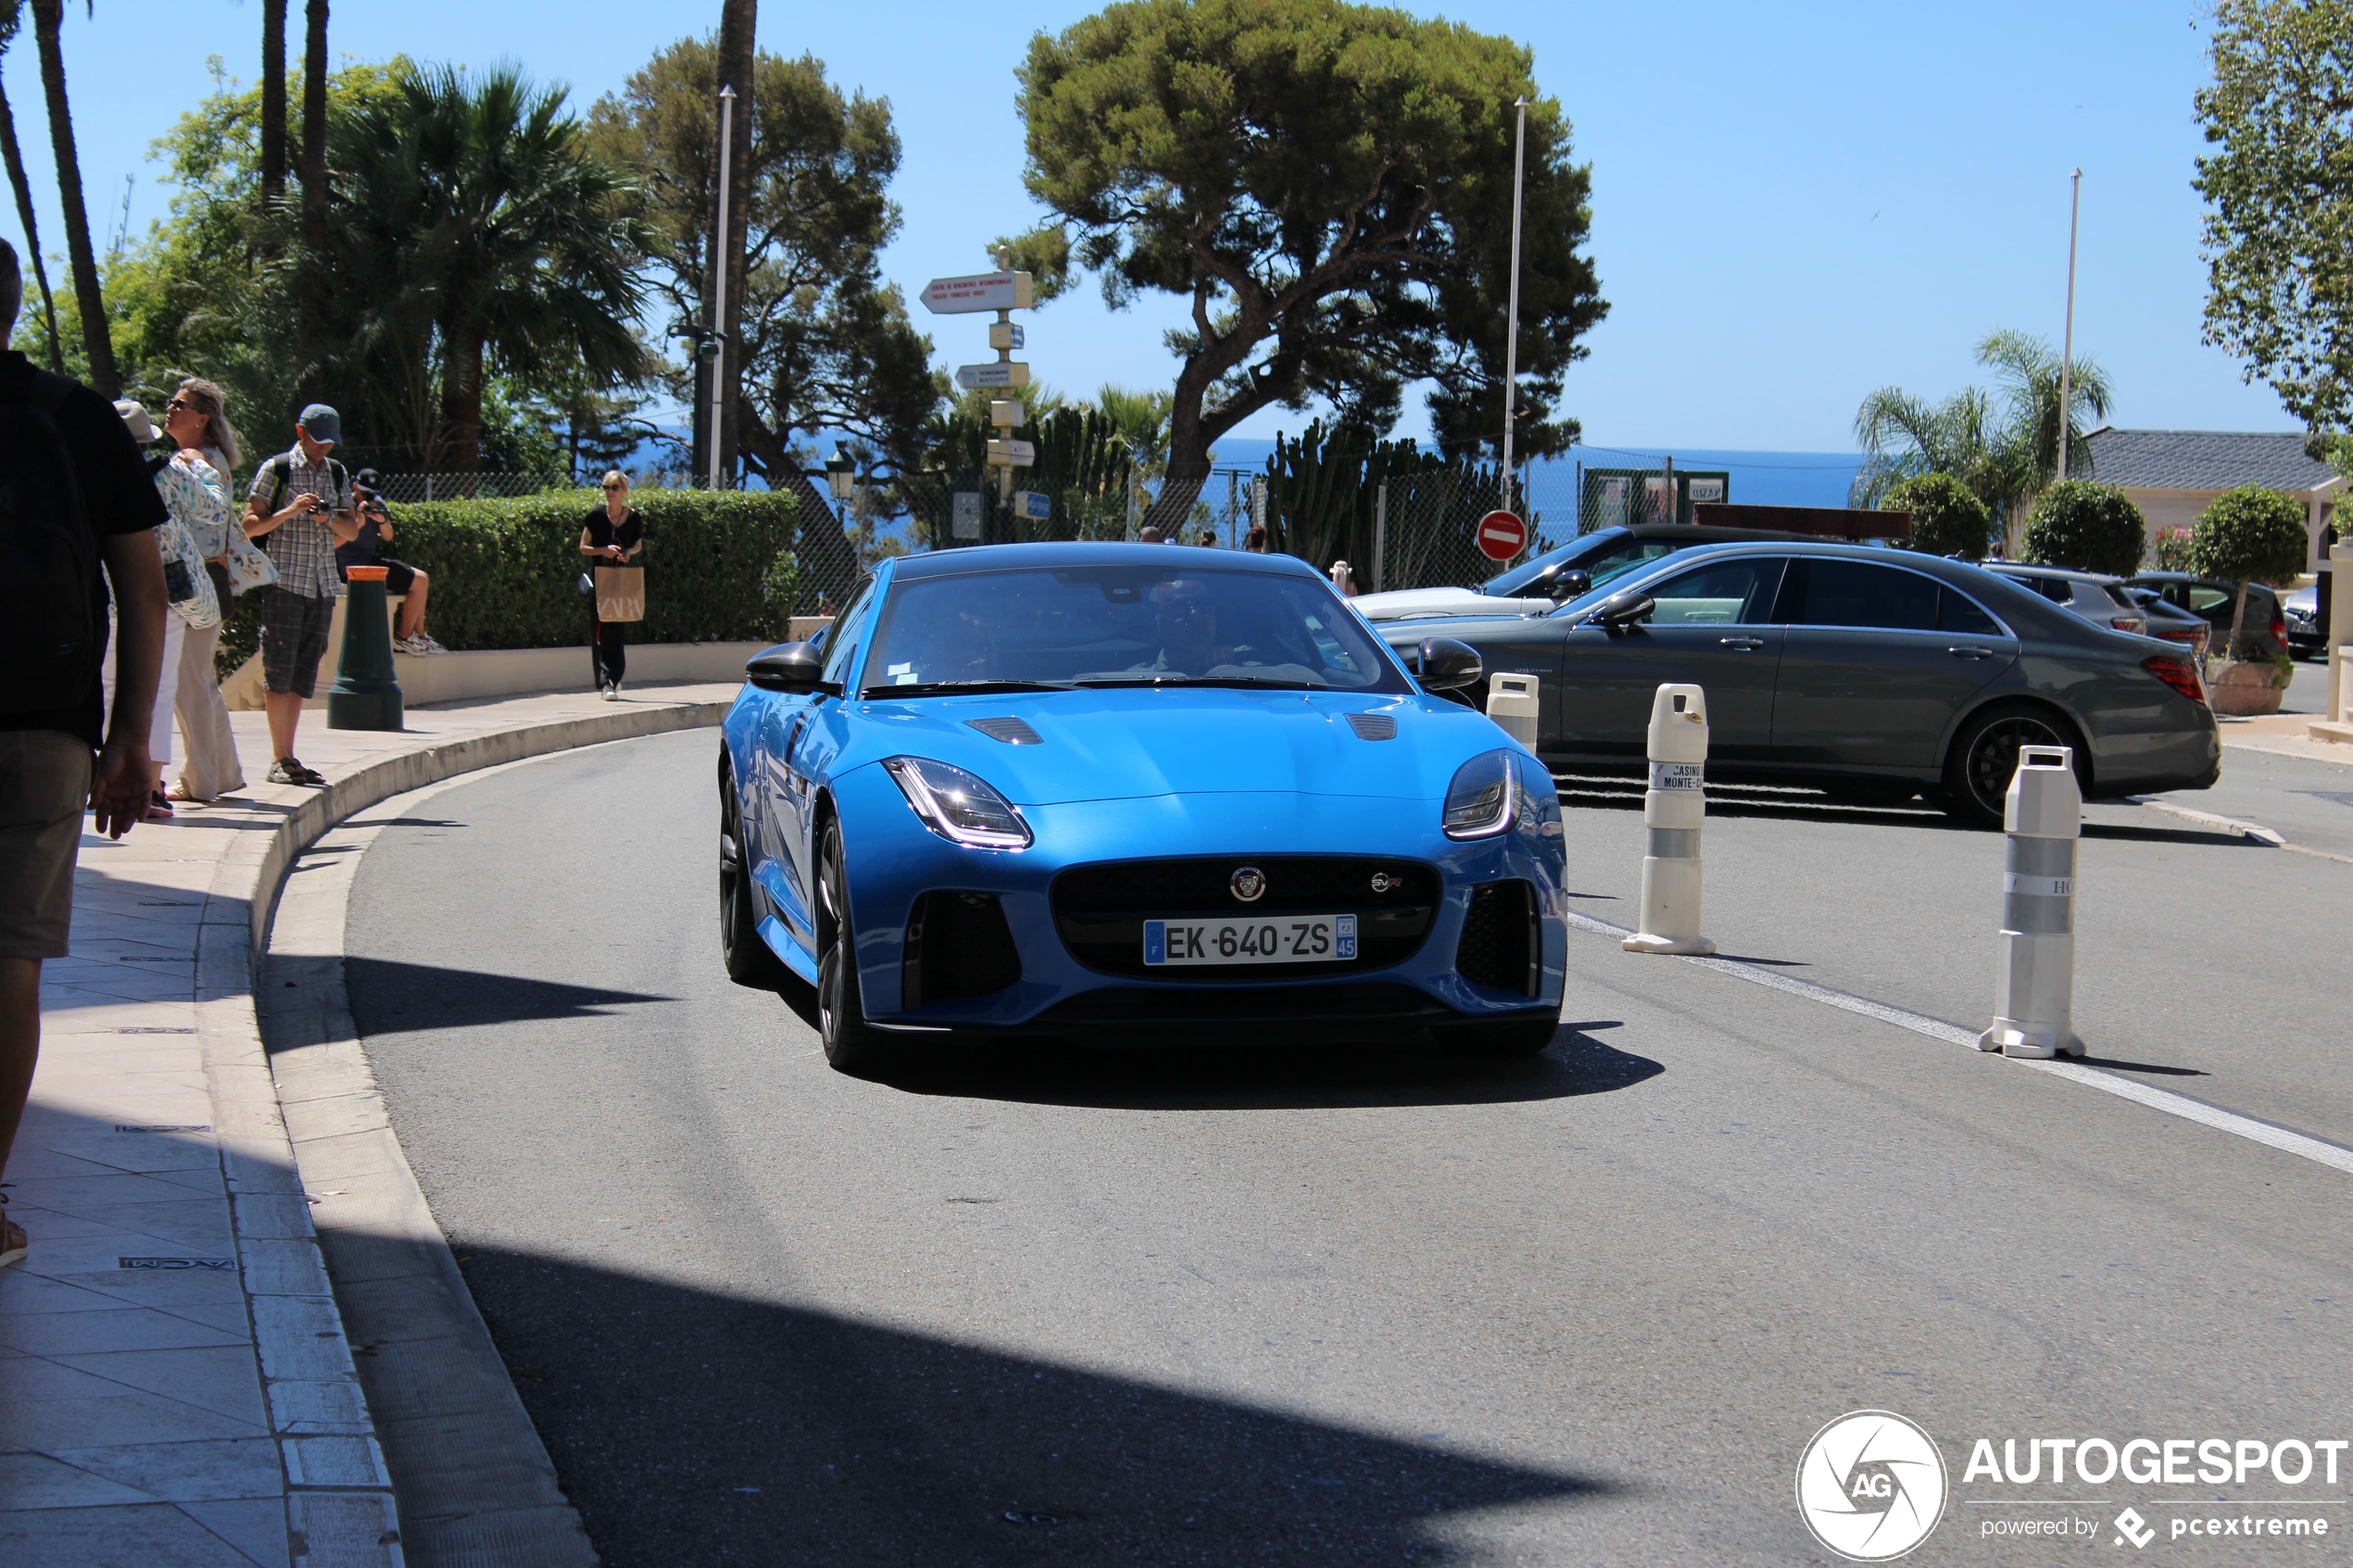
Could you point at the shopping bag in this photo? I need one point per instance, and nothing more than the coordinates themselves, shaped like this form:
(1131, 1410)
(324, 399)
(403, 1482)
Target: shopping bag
(184, 580)
(621, 593)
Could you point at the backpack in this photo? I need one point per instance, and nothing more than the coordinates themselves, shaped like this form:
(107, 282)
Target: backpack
(281, 474)
(51, 623)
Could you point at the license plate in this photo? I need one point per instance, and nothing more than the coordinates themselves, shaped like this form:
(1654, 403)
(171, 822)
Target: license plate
(1275, 940)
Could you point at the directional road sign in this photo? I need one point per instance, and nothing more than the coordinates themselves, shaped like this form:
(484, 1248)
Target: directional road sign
(1015, 454)
(997, 372)
(981, 291)
(1502, 535)
(1031, 505)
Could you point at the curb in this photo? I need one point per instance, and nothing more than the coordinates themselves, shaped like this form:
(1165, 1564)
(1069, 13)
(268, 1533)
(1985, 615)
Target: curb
(340, 1506)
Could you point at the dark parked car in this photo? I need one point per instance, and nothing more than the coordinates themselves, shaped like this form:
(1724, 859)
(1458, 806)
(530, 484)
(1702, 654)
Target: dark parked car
(2100, 599)
(2217, 602)
(1858, 670)
(2307, 638)
(2174, 623)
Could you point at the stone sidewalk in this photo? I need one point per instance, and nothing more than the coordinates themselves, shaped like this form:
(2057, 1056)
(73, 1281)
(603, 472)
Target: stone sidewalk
(176, 1389)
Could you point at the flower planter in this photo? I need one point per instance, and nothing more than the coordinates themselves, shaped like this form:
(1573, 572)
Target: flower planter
(2245, 688)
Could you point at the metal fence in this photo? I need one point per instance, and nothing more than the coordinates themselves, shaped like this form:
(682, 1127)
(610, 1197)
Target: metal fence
(412, 487)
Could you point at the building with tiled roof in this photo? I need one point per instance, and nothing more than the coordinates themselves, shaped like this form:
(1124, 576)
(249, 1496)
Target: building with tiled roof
(2173, 474)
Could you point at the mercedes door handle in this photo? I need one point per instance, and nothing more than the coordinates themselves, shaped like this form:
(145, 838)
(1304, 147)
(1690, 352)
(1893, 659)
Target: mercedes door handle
(1971, 653)
(1746, 644)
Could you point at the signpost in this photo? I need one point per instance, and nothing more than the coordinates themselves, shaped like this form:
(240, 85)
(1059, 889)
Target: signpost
(1003, 291)
(1033, 507)
(1501, 537)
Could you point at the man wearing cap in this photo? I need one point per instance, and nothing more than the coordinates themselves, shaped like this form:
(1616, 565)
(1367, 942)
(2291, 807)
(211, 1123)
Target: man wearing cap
(301, 503)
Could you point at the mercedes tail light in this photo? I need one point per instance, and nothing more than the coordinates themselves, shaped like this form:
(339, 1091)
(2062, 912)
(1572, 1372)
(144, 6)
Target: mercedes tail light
(2279, 629)
(2178, 673)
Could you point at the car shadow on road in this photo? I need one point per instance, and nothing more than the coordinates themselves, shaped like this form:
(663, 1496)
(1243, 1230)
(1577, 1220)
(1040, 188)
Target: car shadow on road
(691, 1425)
(1277, 1078)
(400, 998)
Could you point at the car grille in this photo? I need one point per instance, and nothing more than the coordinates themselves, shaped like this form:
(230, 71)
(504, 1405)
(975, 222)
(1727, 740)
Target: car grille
(1501, 944)
(1100, 909)
(958, 947)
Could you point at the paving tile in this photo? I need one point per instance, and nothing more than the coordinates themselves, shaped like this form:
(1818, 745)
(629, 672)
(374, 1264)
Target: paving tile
(300, 1337)
(41, 1481)
(333, 1461)
(283, 1267)
(255, 1526)
(298, 1407)
(197, 1472)
(111, 1326)
(122, 1187)
(158, 1535)
(224, 1379)
(51, 1426)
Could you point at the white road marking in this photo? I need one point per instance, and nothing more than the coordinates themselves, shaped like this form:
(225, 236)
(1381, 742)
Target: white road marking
(2286, 1140)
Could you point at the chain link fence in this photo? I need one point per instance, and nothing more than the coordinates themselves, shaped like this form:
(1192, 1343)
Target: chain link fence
(408, 488)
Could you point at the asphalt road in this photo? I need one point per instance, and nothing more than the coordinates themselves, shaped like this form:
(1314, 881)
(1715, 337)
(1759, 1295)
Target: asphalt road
(1199, 1307)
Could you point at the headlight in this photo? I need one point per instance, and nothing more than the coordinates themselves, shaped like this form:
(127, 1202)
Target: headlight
(1484, 798)
(957, 806)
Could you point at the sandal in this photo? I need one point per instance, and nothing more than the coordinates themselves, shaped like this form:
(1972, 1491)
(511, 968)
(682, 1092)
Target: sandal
(179, 791)
(12, 1238)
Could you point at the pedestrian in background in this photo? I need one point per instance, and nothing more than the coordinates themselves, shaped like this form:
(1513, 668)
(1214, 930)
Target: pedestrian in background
(142, 435)
(1255, 540)
(402, 580)
(78, 497)
(611, 535)
(301, 501)
(197, 419)
(1208, 539)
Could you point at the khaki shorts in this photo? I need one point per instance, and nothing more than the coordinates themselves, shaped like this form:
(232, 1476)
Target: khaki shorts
(45, 783)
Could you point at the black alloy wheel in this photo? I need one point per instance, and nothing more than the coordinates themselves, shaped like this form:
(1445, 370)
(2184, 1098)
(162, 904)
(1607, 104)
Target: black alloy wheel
(851, 1044)
(1984, 758)
(748, 959)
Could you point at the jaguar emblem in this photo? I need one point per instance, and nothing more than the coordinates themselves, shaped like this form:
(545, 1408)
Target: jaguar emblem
(1248, 883)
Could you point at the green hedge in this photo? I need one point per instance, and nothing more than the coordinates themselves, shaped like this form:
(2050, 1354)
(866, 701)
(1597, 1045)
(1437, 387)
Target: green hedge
(506, 573)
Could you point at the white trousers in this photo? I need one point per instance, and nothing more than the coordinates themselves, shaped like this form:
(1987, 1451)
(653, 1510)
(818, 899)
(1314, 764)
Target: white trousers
(167, 683)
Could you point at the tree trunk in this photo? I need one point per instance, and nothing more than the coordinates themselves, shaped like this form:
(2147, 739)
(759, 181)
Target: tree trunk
(2238, 626)
(274, 103)
(23, 188)
(312, 283)
(462, 400)
(97, 343)
(737, 24)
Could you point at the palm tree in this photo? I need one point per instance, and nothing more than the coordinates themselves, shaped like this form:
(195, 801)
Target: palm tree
(96, 342)
(470, 214)
(11, 19)
(273, 103)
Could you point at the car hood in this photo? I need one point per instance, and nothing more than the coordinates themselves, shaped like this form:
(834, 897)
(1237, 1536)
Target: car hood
(1405, 602)
(1129, 743)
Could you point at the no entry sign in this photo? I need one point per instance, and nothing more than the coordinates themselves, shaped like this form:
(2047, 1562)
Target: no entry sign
(1502, 535)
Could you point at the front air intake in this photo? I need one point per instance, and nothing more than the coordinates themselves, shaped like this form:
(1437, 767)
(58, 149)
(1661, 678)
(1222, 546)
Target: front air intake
(1501, 946)
(958, 947)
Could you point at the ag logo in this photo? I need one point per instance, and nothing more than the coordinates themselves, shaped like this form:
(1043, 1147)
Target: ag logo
(1871, 1486)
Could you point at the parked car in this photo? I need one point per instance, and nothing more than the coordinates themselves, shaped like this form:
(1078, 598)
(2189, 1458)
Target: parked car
(2099, 599)
(1130, 792)
(2170, 623)
(1856, 670)
(2217, 602)
(2307, 638)
(1534, 586)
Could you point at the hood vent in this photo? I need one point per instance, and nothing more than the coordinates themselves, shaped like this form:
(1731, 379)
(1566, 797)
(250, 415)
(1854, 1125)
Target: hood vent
(1017, 731)
(1374, 727)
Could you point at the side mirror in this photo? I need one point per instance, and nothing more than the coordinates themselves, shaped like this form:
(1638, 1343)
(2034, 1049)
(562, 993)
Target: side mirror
(1572, 584)
(1623, 610)
(787, 666)
(1449, 665)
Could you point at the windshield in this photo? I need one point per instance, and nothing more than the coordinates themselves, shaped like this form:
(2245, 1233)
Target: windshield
(1055, 628)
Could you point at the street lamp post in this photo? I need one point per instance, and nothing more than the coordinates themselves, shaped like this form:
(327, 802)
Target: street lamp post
(2067, 338)
(840, 476)
(1510, 320)
(718, 285)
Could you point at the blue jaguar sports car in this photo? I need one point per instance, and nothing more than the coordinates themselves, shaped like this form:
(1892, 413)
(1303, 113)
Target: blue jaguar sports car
(1132, 793)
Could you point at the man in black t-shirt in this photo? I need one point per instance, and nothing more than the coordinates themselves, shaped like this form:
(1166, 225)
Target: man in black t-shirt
(48, 737)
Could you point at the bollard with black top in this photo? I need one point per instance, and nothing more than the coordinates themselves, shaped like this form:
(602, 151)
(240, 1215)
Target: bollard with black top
(365, 696)
(2034, 985)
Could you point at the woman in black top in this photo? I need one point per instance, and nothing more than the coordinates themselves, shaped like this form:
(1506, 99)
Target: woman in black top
(611, 534)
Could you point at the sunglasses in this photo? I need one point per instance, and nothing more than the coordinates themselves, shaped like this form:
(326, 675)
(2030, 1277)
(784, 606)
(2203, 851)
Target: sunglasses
(615, 489)
(179, 406)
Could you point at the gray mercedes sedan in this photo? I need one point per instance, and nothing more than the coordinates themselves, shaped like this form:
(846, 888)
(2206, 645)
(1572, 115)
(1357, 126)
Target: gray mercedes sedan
(1874, 674)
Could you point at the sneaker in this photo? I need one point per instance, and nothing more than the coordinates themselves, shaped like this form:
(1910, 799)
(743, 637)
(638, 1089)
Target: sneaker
(12, 1237)
(158, 807)
(286, 770)
(426, 644)
(610, 693)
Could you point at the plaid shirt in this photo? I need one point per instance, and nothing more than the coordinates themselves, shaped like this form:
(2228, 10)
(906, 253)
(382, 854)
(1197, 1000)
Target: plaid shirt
(303, 548)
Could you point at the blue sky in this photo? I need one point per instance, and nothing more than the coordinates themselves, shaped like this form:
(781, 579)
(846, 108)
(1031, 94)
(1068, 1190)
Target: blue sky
(1791, 203)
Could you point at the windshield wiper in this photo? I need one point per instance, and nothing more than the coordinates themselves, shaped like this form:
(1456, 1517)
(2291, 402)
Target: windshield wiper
(965, 689)
(1203, 681)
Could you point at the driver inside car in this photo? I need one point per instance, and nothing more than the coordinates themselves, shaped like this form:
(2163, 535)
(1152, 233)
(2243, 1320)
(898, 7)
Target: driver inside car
(1186, 618)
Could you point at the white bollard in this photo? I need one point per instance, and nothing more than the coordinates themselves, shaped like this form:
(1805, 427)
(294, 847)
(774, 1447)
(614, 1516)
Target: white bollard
(2034, 987)
(1511, 702)
(1673, 809)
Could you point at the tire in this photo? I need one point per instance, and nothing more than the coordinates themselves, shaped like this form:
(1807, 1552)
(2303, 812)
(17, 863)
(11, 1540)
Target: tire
(1519, 1037)
(1985, 756)
(851, 1044)
(748, 959)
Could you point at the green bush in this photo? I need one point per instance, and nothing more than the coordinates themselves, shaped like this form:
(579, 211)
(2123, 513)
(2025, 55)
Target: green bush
(2170, 551)
(2086, 527)
(1947, 518)
(2249, 534)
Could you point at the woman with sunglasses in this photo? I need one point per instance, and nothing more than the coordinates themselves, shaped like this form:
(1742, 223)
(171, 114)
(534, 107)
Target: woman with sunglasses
(196, 423)
(611, 535)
